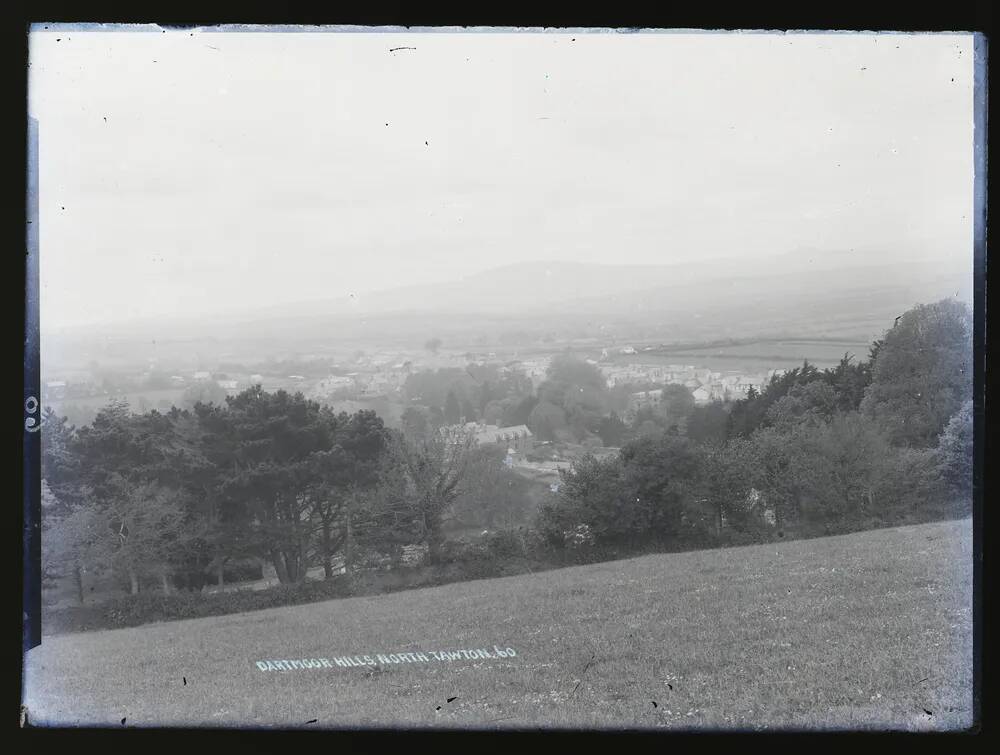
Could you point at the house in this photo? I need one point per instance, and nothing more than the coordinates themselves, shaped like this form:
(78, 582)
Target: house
(229, 385)
(518, 438)
(701, 395)
(203, 375)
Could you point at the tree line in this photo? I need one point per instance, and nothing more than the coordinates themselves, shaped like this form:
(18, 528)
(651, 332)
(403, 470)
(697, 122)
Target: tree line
(165, 500)
(168, 498)
(867, 443)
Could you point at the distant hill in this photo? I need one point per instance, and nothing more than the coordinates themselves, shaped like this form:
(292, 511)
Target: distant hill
(806, 293)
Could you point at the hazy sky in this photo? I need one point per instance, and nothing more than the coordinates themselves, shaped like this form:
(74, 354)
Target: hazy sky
(190, 173)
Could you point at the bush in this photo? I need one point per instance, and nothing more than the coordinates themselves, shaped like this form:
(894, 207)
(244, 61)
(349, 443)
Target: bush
(505, 544)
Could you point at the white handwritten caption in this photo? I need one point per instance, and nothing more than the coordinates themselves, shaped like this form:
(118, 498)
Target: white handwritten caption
(354, 661)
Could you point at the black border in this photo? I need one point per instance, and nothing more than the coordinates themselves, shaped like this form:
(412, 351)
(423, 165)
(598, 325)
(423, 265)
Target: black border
(853, 15)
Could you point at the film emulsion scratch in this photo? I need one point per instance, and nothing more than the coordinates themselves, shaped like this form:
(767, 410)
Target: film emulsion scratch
(508, 379)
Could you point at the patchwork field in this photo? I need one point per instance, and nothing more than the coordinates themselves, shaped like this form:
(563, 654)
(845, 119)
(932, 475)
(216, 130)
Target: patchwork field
(870, 630)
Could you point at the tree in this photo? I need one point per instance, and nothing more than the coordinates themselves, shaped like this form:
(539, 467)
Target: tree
(452, 409)
(750, 413)
(676, 405)
(270, 441)
(340, 475)
(594, 493)
(144, 526)
(708, 423)
(726, 483)
(842, 468)
(493, 496)
(204, 392)
(664, 473)
(815, 401)
(416, 422)
(954, 453)
(548, 421)
(612, 430)
(579, 390)
(431, 475)
(433, 345)
(922, 373)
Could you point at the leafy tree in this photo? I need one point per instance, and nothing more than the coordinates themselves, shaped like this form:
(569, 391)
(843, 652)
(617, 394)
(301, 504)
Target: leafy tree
(433, 345)
(664, 474)
(548, 421)
(842, 468)
(922, 373)
(469, 411)
(426, 477)
(815, 401)
(612, 430)
(579, 390)
(726, 483)
(954, 453)
(416, 422)
(452, 409)
(676, 406)
(203, 392)
(494, 496)
(593, 492)
(850, 378)
(59, 463)
(708, 423)
(519, 412)
(271, 440)
(340, 474)
(144, 525)
(750, 413)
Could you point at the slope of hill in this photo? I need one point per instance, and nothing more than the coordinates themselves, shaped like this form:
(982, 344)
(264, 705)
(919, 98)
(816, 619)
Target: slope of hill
(810, 294)
(869, 630)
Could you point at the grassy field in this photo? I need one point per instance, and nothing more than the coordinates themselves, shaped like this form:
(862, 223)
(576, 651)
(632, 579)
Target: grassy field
(757, 355)
(870, 630)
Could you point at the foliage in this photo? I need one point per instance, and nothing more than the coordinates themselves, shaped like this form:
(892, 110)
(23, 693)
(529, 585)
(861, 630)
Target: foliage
(954, 453)
(572, 401)
(923, 373)
(203, 392)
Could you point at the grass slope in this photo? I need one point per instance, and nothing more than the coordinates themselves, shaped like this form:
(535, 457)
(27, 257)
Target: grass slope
(868, 630)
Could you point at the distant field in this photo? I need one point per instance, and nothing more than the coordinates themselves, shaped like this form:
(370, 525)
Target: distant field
(758, 355)
(870, 630)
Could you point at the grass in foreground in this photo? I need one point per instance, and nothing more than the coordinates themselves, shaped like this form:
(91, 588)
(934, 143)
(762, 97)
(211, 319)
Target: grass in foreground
(861, 631)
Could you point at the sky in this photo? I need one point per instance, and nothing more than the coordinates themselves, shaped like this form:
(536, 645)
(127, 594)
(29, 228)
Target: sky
(192, 173)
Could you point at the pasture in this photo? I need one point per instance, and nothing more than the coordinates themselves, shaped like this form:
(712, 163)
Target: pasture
(754, 356)
(865, 631)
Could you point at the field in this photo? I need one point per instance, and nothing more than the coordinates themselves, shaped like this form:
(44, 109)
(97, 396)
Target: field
(870, 630)
(755, 356)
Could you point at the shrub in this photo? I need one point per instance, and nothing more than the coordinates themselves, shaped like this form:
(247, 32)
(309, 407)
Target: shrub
(505, 544)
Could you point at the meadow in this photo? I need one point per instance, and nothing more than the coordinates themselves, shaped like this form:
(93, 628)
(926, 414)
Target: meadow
(754, 356)
(871, 630)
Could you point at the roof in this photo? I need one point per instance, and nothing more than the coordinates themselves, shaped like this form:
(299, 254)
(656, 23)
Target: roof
(494, 434)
